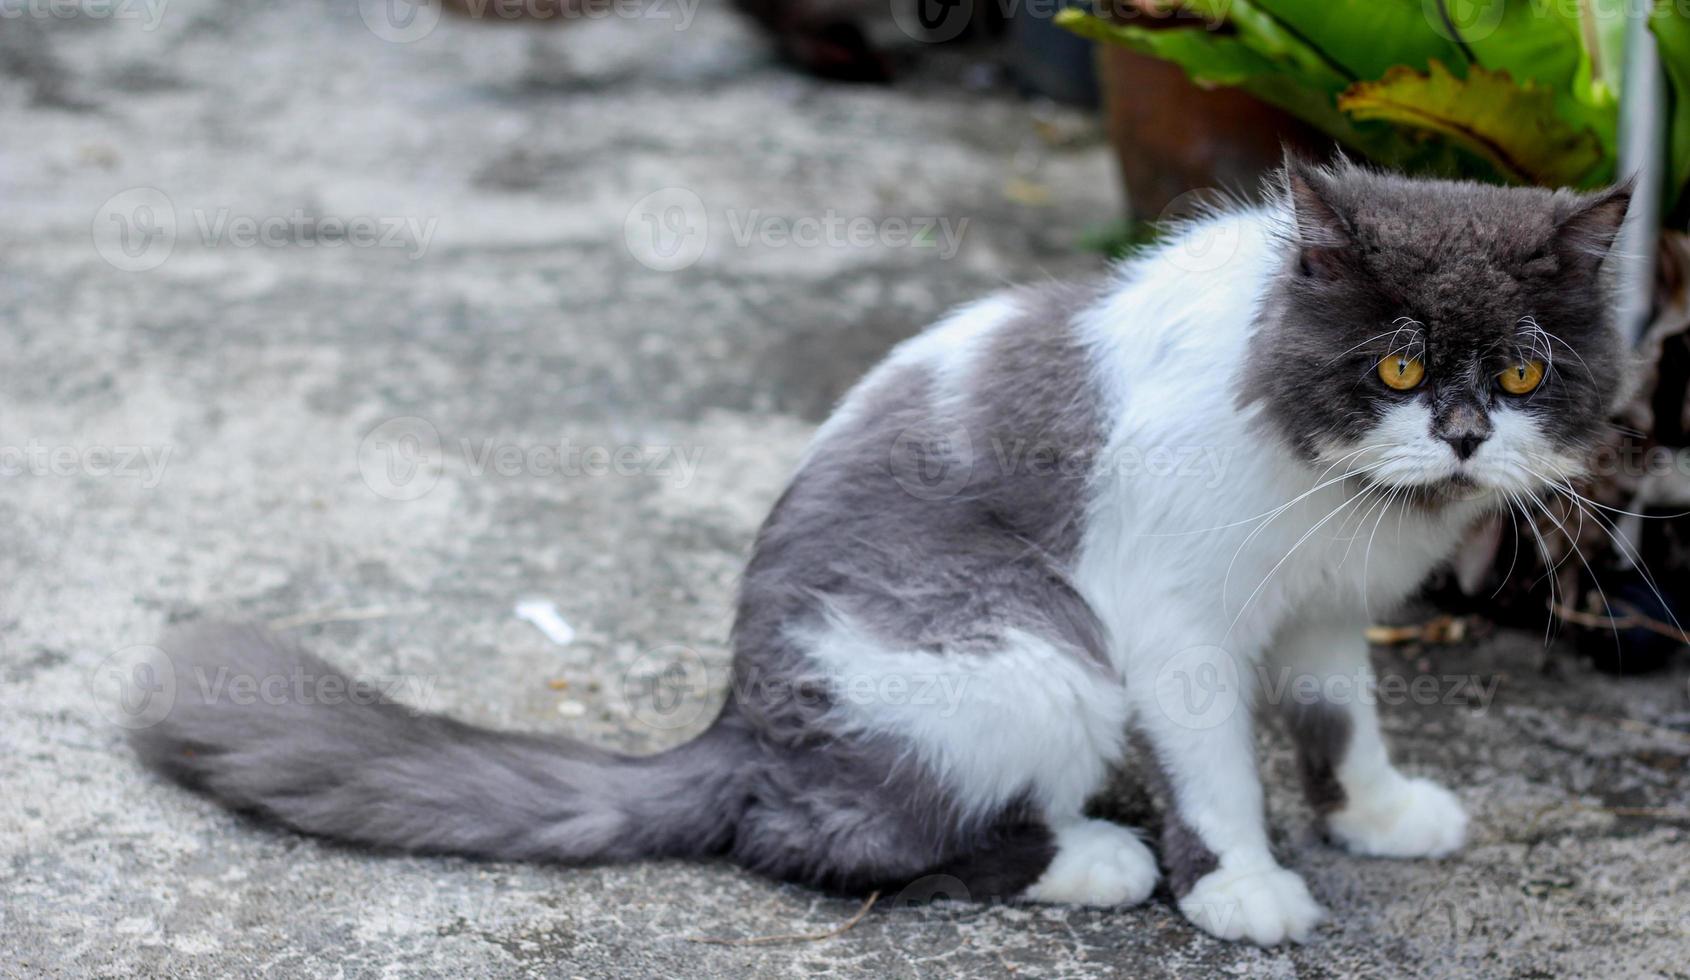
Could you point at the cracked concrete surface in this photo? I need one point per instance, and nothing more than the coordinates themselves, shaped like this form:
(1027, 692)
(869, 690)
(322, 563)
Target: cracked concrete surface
(195, 437)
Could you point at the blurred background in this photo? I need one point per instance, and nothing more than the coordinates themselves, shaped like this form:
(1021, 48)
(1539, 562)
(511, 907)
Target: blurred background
(470, 342)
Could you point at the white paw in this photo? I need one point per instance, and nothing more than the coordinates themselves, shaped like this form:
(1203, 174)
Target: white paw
(1096, 863)
(1267, 906)
(1414, 818)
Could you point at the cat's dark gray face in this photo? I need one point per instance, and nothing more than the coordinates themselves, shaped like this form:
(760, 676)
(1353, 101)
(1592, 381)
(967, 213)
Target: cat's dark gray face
(1441, 336)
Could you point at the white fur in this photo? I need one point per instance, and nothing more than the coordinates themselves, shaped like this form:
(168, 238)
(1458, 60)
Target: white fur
(1264, 904)
(1026, 716)
(1096, 863)
(1409, 818)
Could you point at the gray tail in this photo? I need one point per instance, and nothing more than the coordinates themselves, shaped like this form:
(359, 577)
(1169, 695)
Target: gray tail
(335, 759)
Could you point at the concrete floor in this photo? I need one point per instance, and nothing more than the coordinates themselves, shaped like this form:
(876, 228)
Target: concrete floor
(198, 424)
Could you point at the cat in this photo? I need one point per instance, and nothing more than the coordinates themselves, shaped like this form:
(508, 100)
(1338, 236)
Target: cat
(1097, 516)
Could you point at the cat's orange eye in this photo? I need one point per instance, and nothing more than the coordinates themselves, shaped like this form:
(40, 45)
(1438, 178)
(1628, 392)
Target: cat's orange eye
(1522, 378)
(1402, 372)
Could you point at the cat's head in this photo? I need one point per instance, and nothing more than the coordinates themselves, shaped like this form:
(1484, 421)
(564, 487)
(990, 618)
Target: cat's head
(1450, 339)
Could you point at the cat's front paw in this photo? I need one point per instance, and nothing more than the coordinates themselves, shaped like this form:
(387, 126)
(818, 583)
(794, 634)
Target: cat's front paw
(1415, 818)
(1267, 906)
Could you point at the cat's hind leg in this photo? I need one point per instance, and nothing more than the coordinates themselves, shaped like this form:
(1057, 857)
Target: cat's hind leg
(973, 761)
(896, 829)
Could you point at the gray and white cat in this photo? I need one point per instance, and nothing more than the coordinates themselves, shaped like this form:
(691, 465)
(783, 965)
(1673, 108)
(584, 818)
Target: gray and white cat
(1098, 516)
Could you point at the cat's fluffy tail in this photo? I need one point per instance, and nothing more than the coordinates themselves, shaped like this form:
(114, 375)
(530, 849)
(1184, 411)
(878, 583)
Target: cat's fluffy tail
(338, 760)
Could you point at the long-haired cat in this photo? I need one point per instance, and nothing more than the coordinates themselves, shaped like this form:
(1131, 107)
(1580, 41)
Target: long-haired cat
(1096, 517)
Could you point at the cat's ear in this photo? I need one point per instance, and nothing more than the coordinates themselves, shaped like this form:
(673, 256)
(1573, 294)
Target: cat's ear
(1321, 231)
(1587, 232)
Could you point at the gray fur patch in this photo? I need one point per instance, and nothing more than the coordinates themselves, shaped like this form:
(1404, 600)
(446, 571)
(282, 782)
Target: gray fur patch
(1185, 857)
(1321, 733)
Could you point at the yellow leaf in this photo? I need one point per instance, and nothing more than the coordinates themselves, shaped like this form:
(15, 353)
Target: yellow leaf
(1514, 126)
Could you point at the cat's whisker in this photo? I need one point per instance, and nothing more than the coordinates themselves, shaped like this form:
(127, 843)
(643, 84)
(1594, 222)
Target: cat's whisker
(1226, 580)
(1562, 483)
(1367, 554)
(1513, 562)
(1626, 550)
(1380, 505)
(1282, 507)
(1543, 550)
(1573, 538)
(1553, 339)
(1377, 336)
(1293, 550)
